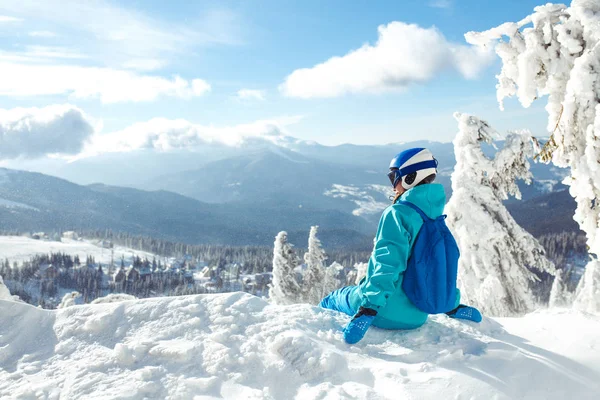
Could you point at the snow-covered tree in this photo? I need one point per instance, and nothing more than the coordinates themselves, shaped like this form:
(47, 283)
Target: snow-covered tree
(556, 52)
(587, 296)
(4, 292)
(284, 288)
(361, 271)
(313, 278)
(330, 278)
(497, 255)
(559, 295)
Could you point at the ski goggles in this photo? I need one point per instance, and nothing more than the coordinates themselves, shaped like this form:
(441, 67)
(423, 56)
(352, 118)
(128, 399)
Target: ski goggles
(393, 176)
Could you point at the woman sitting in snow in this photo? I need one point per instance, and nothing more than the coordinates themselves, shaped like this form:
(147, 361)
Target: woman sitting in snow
(395, 293)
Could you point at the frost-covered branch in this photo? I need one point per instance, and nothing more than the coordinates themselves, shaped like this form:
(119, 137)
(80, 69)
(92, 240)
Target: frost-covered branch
(555, 52)
(497, 255)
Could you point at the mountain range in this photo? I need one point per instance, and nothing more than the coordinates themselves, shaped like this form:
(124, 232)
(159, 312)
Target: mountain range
(238, 195)
(32, 201)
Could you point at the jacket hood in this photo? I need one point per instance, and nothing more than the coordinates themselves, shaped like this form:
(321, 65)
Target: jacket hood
(429, 197)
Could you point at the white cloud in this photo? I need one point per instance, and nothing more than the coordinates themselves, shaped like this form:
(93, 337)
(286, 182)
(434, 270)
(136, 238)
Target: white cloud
(200, 87)
(446, 4)
(42, 34)
(250, 94)
(36, 52)
(40, 54)
(65, 131)
(109, 85)
(116, 35)
(167, 135)
(37, 132)
(144, 64)
(404, 54)
(106, 51)
(6, 18)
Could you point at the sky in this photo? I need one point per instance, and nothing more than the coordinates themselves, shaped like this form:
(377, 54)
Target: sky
(363, 72)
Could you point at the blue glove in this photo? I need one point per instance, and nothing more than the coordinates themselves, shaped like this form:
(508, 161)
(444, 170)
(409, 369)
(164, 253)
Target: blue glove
(358, 326)
(465, 312)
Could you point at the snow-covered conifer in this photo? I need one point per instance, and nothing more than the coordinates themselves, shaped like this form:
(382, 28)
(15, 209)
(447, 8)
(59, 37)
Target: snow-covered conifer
(361, 271)
(284, 288)
(4, 292)
(587, 295)
(559, 296)
(313, 279)
(556, 52)
(497, 255)
(330, 278)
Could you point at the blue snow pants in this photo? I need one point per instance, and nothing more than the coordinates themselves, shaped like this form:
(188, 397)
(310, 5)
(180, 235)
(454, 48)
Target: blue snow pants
(339, 300)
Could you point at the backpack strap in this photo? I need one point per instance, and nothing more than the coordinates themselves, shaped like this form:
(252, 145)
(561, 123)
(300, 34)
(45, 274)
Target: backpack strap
(414, 207)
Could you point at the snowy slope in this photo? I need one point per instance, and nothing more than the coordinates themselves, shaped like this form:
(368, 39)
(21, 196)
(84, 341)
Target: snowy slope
(236, 346)
(14, 204)
(20, 248)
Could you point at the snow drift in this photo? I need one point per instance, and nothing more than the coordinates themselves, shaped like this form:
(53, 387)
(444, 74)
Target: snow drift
(237, 346)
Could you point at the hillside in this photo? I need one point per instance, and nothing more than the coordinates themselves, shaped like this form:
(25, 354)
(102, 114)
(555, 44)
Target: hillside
(238, 346)
(545, 214)
(34, 202)
(278, 176)
(276, 169)
(19, 248)
(347, 214)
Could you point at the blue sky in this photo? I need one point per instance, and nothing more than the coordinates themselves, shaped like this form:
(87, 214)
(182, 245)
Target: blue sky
(100, 56)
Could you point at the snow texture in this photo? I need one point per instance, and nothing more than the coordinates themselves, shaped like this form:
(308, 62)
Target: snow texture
(69, 300)
(114, 298)
(497, 255)
(555, 52)
(237, 346)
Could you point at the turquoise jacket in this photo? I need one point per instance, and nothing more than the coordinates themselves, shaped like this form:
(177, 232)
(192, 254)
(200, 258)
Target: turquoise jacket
(381, 289)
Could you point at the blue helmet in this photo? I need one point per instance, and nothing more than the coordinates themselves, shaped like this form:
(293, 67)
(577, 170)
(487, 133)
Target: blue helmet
(414, 165)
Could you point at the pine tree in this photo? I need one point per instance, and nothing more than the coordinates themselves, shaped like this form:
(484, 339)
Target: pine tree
(284, 288)
(559, 296)
(556, 52)
(361, 271)
(587, 296)
(497, 255)
(4, 292)
(330, 278)
(313, 279)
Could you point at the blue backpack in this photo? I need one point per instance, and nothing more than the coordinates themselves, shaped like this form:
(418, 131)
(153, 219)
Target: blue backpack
(430, 277)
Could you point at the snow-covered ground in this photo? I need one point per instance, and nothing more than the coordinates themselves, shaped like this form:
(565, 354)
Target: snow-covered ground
(21, 248)
(362, 197)
(14, 204)
(237, 346)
